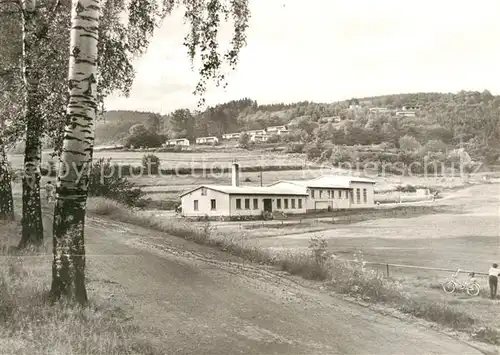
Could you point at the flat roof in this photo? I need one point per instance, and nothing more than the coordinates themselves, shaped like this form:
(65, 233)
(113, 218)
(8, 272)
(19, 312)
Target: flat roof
(252, 190)
(329, 181)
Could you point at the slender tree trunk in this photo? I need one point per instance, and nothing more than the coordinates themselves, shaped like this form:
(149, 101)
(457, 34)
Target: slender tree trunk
(68, 267)
(32, 226)
(6, 200)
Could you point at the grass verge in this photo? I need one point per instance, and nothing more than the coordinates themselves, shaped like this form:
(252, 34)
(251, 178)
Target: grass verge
(30, 324)
(348, 278)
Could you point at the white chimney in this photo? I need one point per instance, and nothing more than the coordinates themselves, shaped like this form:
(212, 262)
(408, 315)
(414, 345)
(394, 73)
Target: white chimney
(236, 174)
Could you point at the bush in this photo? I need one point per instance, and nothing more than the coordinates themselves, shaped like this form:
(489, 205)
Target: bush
(408, 143)
(295, 148)
(151, 163)
(244, 141)
(274, 138)
(407, 188)
(339, 155)
(107, 180)
(141, 136)
(314, 151)
(435, 146)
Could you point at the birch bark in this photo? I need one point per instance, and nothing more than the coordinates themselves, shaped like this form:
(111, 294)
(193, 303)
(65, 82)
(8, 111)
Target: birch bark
(68, 267)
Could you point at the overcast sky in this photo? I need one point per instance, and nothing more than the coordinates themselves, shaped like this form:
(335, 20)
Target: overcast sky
(330, 50)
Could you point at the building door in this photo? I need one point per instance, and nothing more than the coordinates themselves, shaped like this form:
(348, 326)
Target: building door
(268, 205)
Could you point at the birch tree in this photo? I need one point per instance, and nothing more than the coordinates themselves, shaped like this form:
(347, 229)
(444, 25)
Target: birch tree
(9, 108)
(47, 47)
(204, 17)
(32, 226)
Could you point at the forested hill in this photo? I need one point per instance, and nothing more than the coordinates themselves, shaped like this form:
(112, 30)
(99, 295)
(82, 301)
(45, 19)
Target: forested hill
(446, 117)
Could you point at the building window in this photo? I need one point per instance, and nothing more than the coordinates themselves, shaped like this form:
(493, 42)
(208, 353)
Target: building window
(300, 203)
(320, 193)
(365, 198)
(247, 203)
(351, 195)
(203, 191)
(213, 205)
(312, 193)
(340, 194)
(278, 203)
(238, 203)
(286, 203)
(195, 205)
(358, 196)
(346, 194)
(293, 203)
(329, 194)
(255, 204)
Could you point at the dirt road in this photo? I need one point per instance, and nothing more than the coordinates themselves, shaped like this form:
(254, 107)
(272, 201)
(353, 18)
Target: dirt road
(190, 299)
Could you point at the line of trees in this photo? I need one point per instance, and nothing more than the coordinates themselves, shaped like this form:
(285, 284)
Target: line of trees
(62, 59)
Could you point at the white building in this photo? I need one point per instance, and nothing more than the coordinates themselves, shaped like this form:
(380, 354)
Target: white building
(228, 136)
(335, 192)
(207, 140)
(259, 138)
(275, 129)
(180, 141)
(256, 131)
(406, 113)
(411, 108)
(235, 200)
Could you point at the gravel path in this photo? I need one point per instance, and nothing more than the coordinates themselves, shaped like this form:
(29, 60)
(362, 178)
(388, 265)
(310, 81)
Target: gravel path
(191, 299)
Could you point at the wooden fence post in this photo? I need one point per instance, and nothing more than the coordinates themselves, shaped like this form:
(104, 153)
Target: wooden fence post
(387, 267)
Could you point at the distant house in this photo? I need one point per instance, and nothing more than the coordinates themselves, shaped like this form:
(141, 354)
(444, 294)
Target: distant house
(276, 129)
(207, 140)
(179, 141)
(411, 108)
(406, 113)
(259, 138)
(228, 136)
(335, 192)
(256, 131)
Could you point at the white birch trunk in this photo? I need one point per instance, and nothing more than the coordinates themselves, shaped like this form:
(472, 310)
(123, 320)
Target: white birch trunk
(68, 268)
(32, 226)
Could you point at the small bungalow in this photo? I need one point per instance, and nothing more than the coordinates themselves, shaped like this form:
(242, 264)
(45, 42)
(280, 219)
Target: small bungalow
(207, 140)
(228, 136)
(276, 129)
(406, 113)
(259, 138)
(179, 141)
(256, 131)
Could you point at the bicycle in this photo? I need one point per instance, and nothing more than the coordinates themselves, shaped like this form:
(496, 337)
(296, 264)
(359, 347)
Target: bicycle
(451, 285)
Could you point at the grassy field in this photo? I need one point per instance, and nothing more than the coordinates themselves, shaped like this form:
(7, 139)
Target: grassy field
(195, 159)
(162, 188)
(466, 237)
(31, 324)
